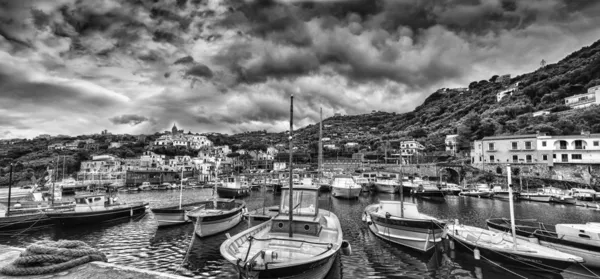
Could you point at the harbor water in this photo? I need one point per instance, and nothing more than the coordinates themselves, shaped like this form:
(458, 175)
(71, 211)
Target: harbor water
(138, 242)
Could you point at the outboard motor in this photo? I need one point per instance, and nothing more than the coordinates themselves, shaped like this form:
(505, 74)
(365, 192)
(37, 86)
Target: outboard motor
(346, 249)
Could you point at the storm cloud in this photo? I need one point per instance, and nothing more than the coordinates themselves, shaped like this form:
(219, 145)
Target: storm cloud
(131, 119)
(74, 67)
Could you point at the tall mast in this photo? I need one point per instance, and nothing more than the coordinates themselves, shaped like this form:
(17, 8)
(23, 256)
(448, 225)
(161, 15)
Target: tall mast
(512, 210)
(291, 193)
(181, 188)
(320, 161)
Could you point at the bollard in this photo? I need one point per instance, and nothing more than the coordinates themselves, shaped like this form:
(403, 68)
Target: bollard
(476, 254)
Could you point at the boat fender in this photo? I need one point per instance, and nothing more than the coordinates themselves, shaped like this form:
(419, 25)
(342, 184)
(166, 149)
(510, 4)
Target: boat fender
(369, 221)
(451, 244)
(346, 248)
(476, 254)
(364, 217)
(270, 256)
(445, 233)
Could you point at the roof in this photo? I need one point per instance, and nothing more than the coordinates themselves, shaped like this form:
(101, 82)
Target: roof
(533, 136)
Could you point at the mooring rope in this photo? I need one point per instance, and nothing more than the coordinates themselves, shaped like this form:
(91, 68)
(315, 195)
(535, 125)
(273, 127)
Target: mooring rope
(45, 257)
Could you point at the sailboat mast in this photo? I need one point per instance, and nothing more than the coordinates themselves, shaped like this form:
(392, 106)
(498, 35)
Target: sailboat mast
(401, 194)
(291, 193)
(181, 188)
(320, 161)
(512, 210)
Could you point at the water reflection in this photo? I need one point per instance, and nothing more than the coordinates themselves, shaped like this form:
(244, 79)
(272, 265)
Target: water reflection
(139, 243)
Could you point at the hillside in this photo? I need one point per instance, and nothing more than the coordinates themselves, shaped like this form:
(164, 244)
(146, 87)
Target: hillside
(476, 114)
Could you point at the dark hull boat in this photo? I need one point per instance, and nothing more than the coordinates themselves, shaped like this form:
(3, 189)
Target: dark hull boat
(430, 194)
(581, 239)
(232, 193)
(500, 247)
(173, 215)
(217, 215)
(92, 209)
(22, 222)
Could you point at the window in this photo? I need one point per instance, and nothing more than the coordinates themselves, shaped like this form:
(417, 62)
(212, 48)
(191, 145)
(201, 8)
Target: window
(528, 158)
(595, 143)
(491, 146)
(515, 145)
(527, 145)
(553, 156)
(576, 156)
(545, 157)
(492, 158)
(515, 158)
(579, 144)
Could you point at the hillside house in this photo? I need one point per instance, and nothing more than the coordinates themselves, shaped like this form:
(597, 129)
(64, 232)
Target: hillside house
(330, 146)
(591, 97)
(115, 144)
(451, 143)
(508, 91)
(540, 113)
(351, 144)
(56, 146)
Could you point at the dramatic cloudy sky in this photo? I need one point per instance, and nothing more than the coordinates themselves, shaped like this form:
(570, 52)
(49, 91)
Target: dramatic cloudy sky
(135, 66)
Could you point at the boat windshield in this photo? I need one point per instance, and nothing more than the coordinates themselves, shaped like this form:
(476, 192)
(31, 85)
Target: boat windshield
(304, 202)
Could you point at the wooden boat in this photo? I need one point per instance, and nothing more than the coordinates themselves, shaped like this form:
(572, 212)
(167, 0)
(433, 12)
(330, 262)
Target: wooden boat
(583, 194)
(536, 197)
(145, 186)
(217, 215)
(405, 227)
(506, 248)
(268, 251)
(502, 247)
(343, 186)
(480, 191)
(386, 185)
(450, 189)
(232, 187)
(27, 218)
(582, 240)
(429, 192)
(97, 208)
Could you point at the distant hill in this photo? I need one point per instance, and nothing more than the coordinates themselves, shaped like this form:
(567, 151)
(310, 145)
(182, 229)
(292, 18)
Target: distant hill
(475, 113)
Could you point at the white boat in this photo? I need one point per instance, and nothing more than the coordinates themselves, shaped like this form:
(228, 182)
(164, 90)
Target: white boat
(269, 251)
(386, 185)
(507, 248)
(343, 186)
(408, 227)
(145, 186)
(581, 240)
(583, 194)
(217, 215)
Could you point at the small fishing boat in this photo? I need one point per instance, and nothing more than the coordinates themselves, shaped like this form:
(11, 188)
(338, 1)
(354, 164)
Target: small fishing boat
(583, 194)
(429, 192)
(174, 215)
(501, 247)
(401, 223)
(581, 240)
(507, 248)
(480, 191)
(386, 185)
(145, 186)
(536, 197)
(563, 197)
(450, 189)
(216, 215)
(97, 208)
(363, 182)
(273, 250)
(233, 187)
(343, 186)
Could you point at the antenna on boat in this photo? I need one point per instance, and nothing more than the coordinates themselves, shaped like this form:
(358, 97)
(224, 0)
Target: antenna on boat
(512, 210)
(291, 150)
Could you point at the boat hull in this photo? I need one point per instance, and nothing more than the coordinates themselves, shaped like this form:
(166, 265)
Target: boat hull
(431, 195)
(421, 235)
(563, 200)
(73, 218)
(170, 217)
(310, 270)
(22, 222)
(483, 195)
(345, 193)
(232, 193)
(385, 188)
(536, 198)
(324, 187)
(523, 262)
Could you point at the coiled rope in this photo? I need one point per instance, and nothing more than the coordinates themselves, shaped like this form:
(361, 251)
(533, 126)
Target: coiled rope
(45, 257)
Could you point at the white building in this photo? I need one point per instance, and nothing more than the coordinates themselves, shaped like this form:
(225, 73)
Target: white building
(508, 91)
(582, 149)
(591, 97)
(540, 113)
(408, 148)
(351, 144)
(451, 142)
